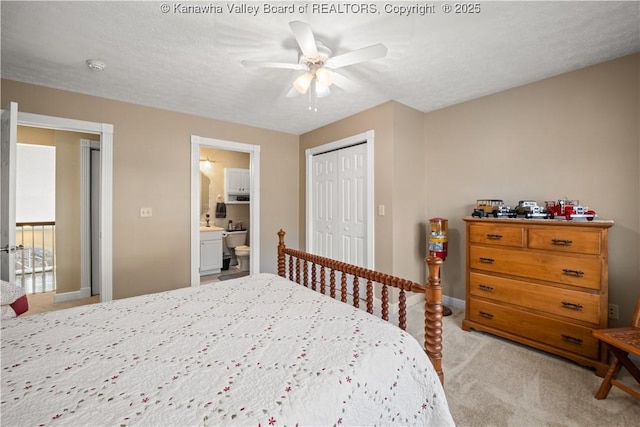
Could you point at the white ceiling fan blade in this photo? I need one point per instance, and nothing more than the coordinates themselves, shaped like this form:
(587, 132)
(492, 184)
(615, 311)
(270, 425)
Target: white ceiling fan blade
(359, 55)
(345, 83)
(304, 36)
(263, 64)
(293, 92)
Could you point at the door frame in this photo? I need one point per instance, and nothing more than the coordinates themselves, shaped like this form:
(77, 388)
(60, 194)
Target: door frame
(254, 198)
(87, 234)
(105, 131)
(8, 159)
(367, 138)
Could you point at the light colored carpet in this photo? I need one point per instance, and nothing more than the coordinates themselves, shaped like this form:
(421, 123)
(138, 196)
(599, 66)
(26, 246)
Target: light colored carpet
(490, 381)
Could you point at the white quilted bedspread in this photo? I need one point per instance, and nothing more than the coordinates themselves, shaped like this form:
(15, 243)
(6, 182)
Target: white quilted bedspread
(252, 351)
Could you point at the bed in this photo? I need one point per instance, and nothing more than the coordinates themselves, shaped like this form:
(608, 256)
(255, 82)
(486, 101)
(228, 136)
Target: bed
(13, 300)
(259, 350)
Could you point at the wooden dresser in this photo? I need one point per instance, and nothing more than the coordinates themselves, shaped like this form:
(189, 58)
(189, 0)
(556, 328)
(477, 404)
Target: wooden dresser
(542, 283)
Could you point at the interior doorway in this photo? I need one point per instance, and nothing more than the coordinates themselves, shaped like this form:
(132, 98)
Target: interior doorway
(104, 132)
(254, 207)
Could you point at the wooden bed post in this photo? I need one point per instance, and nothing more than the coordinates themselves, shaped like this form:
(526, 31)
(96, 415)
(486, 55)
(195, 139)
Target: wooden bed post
(281, 263)
(433, 316)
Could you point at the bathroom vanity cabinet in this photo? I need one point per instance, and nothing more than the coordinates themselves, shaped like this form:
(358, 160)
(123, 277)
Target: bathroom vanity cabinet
(210, 251)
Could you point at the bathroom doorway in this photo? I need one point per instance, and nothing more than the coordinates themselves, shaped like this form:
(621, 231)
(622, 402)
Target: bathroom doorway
(224, 204)
(229, 149)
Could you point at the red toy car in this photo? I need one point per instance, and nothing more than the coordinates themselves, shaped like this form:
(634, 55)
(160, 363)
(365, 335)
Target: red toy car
(569, 209)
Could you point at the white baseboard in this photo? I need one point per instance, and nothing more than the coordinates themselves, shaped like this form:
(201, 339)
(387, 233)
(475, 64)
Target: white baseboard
(453, 302)
(414, 299)
(446, 300)
(70, 296)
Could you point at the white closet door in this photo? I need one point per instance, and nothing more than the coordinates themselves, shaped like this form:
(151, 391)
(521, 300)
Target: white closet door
(325, 212)
(339, 200)
(351, 196)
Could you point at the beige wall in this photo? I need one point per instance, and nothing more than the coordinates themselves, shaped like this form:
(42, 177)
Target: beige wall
(151, 168)
(399, 235)
(380, 120)
(36, 136)
(409, 217)
(576, 135)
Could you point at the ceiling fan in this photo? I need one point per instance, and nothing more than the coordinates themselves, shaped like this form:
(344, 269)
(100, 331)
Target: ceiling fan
(318, 65)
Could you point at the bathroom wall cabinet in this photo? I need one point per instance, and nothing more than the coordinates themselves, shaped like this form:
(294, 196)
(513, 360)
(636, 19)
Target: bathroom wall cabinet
(237, 185)
(542, 283)
(210, 252)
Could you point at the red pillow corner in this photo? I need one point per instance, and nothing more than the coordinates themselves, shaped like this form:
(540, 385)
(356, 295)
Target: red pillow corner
(21, 305)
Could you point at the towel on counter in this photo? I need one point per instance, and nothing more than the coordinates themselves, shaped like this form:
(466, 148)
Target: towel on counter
(221, 210)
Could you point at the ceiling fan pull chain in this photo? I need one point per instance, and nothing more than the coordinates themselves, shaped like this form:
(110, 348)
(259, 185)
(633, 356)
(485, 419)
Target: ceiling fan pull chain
(315, 97)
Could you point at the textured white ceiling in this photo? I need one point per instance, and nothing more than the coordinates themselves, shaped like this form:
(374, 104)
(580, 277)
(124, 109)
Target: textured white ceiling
(191, 62)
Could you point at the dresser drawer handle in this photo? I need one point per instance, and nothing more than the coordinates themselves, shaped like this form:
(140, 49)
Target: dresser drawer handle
(494, 236)
(486, 315)
(572, 340)
(486, 288)
(576, 273)
(486, 260)
(572, 306)
(561, 242)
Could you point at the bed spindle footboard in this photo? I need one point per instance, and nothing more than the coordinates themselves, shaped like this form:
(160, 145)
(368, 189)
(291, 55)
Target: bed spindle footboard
(432, 291)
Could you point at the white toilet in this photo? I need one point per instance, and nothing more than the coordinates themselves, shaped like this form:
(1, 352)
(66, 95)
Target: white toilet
(235, 241)
(242, 253)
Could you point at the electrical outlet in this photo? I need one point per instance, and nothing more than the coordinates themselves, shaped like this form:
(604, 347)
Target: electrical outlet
(145, 212)
(614, 312)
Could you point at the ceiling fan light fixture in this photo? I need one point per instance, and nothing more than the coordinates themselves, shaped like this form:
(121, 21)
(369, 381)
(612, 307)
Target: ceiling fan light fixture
(322, 90)
(303, 82)
(324, 76)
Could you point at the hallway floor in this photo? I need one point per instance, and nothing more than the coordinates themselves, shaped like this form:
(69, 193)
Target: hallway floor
(42, 302)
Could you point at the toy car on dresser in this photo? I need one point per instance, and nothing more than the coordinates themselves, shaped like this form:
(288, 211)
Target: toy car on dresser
(570, 209)
(530, 209)
(495, 207)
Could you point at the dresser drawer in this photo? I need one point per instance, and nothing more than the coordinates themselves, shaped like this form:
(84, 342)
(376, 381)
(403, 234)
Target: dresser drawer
(493, 234)
(561, 239)
(566, 336)
(584, 271)
(562, 302)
